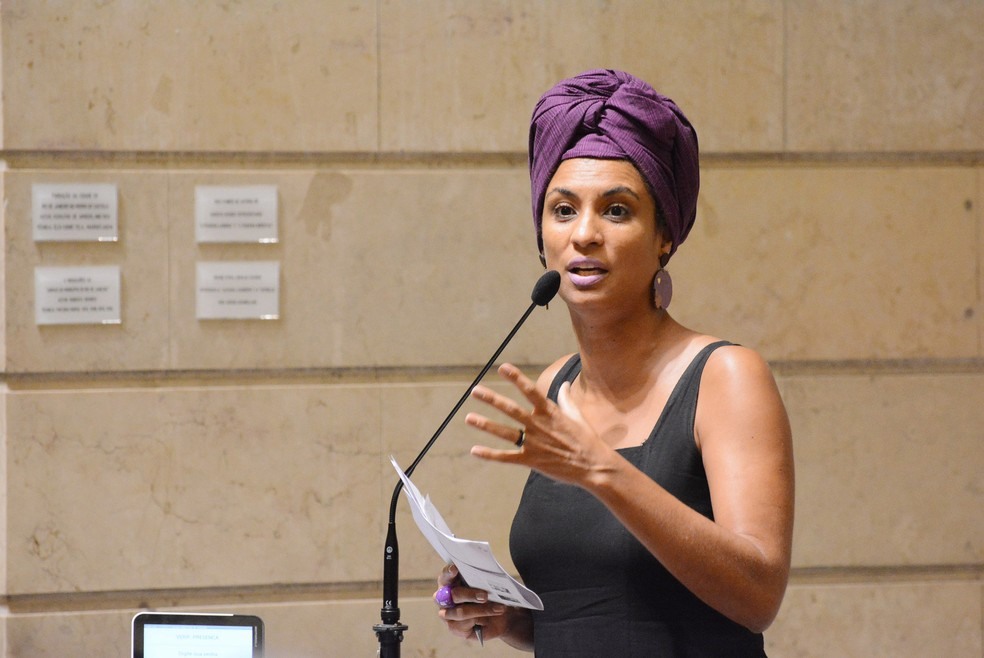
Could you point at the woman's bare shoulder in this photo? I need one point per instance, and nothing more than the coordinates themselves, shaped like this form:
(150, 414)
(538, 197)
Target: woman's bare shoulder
(738, 386)
(737, 364)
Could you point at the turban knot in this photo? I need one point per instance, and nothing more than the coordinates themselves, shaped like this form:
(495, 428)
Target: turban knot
(614, 115)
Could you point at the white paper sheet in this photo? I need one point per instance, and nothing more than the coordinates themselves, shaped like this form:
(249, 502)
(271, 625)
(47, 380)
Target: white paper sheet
(474, 559)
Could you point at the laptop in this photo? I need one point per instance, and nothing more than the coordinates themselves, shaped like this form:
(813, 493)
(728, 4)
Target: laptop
(182, 634)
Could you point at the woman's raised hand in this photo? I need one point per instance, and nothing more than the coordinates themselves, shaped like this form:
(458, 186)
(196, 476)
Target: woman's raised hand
(556, 440)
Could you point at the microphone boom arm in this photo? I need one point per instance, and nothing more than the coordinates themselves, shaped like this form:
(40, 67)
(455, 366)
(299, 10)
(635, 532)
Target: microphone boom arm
(457, 407)
(390, 631)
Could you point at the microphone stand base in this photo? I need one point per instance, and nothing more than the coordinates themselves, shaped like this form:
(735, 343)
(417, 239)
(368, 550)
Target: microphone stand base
(390, 636)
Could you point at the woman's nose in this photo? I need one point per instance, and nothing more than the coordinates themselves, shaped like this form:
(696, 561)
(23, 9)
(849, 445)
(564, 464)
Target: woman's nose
(587, 230)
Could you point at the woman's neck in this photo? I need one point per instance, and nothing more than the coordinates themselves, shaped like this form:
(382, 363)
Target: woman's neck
(622, 354)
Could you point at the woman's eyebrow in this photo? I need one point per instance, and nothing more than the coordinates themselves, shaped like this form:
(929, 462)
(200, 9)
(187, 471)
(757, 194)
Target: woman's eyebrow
(621, 189)
(563, 191)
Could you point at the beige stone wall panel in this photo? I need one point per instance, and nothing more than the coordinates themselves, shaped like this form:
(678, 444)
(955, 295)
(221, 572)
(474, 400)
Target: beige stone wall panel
(889, 469)
(464, 76)
(296, 479)
(862, 619)
(307, 633)
(140, 342)
(879, 619)
(2, 110)
(3, 497)
(220, 486)
(885, 76)
(379, 268)
(190, 76)
(3, 265)
(55, 634)
(815, 263)
(978, 209)
(294, 630)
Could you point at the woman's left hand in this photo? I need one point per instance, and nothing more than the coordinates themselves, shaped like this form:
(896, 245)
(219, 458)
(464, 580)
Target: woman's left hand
(465, 609)
(556, 439)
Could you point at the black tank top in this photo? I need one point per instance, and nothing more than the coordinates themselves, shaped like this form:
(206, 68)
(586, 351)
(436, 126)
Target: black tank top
(603, 593)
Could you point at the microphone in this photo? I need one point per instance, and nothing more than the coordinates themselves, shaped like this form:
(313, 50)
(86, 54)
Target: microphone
(390, 631)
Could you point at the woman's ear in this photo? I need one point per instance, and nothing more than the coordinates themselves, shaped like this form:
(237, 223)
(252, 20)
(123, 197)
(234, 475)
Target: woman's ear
(664, 256)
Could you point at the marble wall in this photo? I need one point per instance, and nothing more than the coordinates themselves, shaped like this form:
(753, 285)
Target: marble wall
(169, 462)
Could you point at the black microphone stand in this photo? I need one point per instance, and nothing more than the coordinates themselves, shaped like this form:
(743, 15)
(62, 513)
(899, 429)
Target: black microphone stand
(390, 631)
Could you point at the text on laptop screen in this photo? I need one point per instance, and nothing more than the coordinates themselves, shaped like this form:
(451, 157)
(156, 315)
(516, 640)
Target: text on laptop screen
(195, 641)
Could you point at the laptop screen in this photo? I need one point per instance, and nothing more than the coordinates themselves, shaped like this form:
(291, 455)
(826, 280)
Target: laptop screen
(157, 635)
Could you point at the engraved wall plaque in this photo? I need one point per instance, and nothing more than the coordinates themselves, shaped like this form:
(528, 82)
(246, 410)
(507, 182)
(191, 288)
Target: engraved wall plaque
(238, 290)
(77, 295)
(235, 214)
(74, 212)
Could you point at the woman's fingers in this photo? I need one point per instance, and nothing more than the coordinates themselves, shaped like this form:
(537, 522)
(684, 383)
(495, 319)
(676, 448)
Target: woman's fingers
(469, 612)
(462, 608)
(506, 405)
(451, 592)
(447, 575)
(508, 433)
(526, 418)
(525, 385)
(526, 421)
(551, 433)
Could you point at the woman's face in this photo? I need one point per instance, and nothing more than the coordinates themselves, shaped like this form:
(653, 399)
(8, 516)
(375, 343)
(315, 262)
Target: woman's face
(599, 231)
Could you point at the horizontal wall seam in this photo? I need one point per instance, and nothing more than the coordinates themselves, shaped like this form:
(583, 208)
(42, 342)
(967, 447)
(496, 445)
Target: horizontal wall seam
(41, 159)
(454, 373)
(367, 590)
(844, 575)
(152, 599)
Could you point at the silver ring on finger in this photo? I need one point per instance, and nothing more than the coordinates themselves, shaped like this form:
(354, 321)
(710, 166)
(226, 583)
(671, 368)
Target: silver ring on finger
(521, 439)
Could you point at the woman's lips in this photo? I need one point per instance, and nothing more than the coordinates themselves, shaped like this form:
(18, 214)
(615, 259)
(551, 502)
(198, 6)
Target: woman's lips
(584, 273)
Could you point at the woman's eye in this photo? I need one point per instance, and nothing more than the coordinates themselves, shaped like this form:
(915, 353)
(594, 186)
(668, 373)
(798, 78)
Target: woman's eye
(563, 211)
(618, 212)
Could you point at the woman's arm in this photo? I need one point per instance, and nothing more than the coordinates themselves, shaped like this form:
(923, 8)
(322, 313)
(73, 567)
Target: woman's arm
(738, 563)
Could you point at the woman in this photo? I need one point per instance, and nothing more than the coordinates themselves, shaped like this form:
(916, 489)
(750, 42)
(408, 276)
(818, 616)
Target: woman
(657, 517)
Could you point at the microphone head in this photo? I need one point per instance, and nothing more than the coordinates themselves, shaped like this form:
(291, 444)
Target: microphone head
(546, 287)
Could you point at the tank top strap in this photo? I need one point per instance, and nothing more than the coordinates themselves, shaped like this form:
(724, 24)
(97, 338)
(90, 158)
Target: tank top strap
(681, 407)
(567, 373)
(690, 380)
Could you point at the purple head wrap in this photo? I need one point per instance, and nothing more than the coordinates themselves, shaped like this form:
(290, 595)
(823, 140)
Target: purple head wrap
(611, 114)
